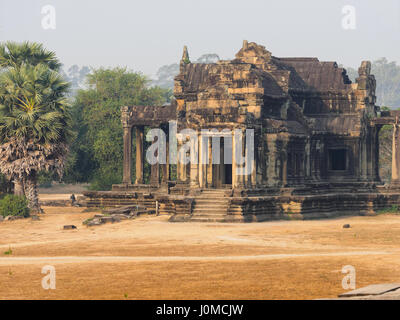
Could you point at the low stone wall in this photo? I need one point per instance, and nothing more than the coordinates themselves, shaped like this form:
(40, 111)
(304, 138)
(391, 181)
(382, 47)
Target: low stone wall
(183, 210)
(284, 206)
(109, 199)
(310, 207)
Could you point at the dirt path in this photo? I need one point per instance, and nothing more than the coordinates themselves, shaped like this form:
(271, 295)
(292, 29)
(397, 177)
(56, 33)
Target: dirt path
(150, 258)
(55, 260)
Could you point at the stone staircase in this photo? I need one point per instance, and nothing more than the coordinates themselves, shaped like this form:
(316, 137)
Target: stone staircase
(211, 206)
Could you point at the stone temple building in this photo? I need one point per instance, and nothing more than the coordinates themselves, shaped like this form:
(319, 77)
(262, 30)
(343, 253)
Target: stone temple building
(315, 143)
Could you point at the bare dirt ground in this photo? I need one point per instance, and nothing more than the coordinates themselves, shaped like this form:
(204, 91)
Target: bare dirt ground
(58, 189)
(150, 258)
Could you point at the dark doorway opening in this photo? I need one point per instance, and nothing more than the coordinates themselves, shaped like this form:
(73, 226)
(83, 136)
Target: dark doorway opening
(338, 159)
(228, 174)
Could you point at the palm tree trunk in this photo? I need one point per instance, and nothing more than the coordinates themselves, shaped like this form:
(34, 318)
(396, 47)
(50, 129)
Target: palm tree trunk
(32, 194)
(19, 188)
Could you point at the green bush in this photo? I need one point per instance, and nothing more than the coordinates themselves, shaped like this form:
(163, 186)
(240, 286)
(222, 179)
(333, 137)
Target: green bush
(12, 205)
(45, 179)
(392, 209)
(104, 179)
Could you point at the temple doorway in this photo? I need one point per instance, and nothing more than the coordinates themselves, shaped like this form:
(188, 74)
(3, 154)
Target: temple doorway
(222, 167)
(228, 174)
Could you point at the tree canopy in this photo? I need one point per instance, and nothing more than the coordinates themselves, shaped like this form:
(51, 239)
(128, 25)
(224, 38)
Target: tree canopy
(34, 115)
(98, 152)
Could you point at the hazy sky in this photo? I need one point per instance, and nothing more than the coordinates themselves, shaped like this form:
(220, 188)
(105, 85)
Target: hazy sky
(147, 34)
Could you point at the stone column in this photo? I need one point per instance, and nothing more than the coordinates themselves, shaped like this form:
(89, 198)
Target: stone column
(155, 170)
(194, 167)
(181, 166)
(284, 170)
(182, 172)
(235, 177)
(210, 182)
(243, 177)
(127, 165)
(253, 176)
(139, 133)
(370, 165)
(252, 155)
(165, 167)
(222, 162)
(239, 177)
(155, 175)
(396, 154)
(179, 161)
(202, 159)
(308, 159)
(284, 163)
(364, 164)
(376, 151)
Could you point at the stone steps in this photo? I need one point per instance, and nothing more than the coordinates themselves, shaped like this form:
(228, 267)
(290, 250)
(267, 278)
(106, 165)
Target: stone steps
(210, 215)
(207, 200)
(215, 196)
(206, 214)
(211, 206)
(213, 191)
(225, 219)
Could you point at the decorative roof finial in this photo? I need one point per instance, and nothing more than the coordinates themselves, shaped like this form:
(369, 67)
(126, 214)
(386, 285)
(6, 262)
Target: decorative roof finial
(365, 68)
(185, 56)
(245, 44)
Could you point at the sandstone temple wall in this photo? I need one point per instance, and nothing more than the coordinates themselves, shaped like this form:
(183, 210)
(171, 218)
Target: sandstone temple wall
(316, 141)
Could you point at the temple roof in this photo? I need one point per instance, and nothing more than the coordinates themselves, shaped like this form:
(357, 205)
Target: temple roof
(320, 75)
(335, 124)
(201, 77)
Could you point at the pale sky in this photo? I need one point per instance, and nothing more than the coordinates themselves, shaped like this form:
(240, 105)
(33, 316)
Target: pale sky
(144, 35)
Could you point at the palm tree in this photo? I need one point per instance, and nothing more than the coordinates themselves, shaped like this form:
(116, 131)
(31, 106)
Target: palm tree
(34, 116)
(14, 54)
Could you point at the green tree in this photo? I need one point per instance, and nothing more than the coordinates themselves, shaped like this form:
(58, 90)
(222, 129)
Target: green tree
(34, 116)
(97, 155)
(385, 151)
(14, 54)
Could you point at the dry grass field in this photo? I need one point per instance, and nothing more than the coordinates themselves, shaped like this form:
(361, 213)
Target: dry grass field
(150, 258)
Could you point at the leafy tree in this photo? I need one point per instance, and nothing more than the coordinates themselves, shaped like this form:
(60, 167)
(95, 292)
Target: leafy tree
(34, 116)
(385, 150)
(13, 54)
(97, 155)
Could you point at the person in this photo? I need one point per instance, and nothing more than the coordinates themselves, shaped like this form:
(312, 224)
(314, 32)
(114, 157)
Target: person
(73, 199)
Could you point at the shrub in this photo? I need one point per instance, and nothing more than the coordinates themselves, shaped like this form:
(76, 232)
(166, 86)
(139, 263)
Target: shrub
(12, 205)
(392, 209)
(104, 180)
(45, 179)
